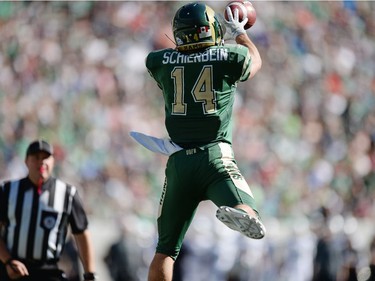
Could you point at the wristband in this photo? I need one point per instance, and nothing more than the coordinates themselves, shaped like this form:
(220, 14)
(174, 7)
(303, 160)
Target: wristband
(89, 276)
(8, 261)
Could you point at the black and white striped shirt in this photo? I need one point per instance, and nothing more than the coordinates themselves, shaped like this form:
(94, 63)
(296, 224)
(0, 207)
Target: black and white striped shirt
(36, 225)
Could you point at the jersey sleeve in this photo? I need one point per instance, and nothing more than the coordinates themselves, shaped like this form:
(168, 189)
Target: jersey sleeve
(154, 62)
(246, 66)
(78, 218)
(241, 59)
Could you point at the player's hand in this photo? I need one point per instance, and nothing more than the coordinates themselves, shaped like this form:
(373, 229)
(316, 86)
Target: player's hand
(16, 269)
(233, 26)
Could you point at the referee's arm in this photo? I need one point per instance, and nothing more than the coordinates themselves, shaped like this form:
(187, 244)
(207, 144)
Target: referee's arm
(85, 249)
(14, 268)
(4, 253)
(82, 236)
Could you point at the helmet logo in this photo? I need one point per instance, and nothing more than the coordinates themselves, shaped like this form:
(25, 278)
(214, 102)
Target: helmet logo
(204, 32)
(179, 41)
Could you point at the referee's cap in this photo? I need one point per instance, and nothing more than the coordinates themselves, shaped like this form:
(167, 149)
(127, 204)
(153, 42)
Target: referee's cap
(39, 145)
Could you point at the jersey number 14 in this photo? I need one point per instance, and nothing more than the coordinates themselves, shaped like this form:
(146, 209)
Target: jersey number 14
(202, 91)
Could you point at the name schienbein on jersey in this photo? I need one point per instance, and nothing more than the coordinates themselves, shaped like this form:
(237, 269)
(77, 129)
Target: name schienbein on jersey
(212, 54)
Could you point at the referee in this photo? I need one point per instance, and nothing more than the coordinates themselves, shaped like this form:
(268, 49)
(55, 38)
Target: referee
(35, 213)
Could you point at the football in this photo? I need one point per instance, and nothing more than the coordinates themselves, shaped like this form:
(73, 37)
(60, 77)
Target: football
(245, 10)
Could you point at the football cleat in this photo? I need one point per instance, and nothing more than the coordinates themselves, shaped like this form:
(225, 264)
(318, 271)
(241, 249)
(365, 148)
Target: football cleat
(242, 222)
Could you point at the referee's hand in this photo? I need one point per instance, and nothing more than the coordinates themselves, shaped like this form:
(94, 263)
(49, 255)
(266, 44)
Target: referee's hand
(16, 269)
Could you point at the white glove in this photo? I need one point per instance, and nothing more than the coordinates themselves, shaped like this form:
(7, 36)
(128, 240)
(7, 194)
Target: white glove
(233, 26)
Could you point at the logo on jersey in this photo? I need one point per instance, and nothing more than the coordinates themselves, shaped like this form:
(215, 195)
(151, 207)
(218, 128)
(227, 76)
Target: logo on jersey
(48, 220)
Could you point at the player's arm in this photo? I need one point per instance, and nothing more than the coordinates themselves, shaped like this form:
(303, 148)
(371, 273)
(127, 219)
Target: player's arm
(237, 31)
(256, 60)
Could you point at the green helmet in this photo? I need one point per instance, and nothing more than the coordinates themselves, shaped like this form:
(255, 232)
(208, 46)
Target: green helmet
(195, 26)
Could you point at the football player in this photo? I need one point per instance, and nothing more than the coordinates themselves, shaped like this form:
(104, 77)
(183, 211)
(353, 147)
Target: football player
(198, 81)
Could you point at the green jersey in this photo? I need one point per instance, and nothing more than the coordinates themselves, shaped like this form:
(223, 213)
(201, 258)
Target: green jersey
(198, 90)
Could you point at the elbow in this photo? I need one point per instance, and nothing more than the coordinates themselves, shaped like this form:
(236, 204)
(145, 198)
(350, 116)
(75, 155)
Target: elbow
(259, 64)
(255, 67)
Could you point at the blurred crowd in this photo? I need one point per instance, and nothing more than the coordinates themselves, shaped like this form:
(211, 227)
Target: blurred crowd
(74, 74)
